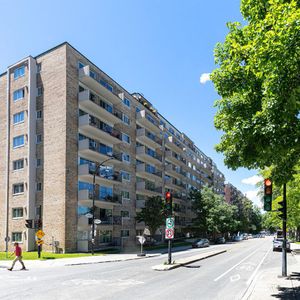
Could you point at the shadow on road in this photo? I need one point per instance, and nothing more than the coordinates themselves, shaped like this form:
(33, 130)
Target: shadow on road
(191, 267)
(288, 293)
(295, 276)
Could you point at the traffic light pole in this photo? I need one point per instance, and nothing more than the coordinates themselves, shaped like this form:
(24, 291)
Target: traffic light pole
(284, 256)
(169, 251)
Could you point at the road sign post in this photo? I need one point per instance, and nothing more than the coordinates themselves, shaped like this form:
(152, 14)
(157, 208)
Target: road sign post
(142, 240)
(169, 235)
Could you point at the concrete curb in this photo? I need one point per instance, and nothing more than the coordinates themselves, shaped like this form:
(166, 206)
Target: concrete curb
(109, 261)
(187, 261)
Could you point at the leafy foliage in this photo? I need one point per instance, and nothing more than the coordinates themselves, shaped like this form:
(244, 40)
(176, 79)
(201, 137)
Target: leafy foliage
(152, 214)
(258, 80)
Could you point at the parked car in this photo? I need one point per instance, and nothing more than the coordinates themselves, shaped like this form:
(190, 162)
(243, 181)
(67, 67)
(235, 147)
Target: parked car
(277, 244)
(220, 240)
(245, 236)
(238, 238)
(250, 236)
(201, 243)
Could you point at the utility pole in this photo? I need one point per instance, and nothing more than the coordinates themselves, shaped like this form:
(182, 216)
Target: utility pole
(284, 219)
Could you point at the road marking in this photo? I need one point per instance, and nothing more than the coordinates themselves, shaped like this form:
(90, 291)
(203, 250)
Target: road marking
(255, 271)
(235, 277)
(222, 275)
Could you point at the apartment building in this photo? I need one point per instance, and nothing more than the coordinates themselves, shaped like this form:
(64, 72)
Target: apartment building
(232, 194)
(64, 121)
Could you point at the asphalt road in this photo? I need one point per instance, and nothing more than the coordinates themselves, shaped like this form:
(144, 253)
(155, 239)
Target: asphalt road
(225, 276)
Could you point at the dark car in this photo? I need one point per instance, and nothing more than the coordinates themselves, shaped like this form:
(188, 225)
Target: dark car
(220, 240)
(201, 243)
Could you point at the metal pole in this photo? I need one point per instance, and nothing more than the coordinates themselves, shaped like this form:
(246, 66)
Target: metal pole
(169, 251)
(284, 256)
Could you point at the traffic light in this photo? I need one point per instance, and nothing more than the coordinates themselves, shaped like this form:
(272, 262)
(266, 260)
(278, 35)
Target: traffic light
(169, 201)
(29, 223)
(268, 194)
(282, 209)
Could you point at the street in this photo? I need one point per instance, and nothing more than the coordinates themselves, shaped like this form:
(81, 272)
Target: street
(225, 276)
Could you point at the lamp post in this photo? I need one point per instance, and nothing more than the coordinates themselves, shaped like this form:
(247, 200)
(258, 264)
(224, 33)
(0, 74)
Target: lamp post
(98, 165)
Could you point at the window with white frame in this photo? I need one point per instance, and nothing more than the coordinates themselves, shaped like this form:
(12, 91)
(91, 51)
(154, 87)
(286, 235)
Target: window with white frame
(18, 164)
(18, 117)
(125, 195)
(125, 214)
(39, 114)
(126, 119)
(126, 101)
(19, 72)
(38, 186)
(18, 94)
(17, 213)
(16, 237)
(126, 157)
(18, 141)
(18, 188)
(125, 175)
(125, 138)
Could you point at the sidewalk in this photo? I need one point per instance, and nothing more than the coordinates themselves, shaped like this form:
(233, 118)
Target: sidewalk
(270, 285)
(34, 264)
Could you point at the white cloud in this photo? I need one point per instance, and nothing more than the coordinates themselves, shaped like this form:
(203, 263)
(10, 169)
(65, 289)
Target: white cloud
(204, 78)
(252, 180)
(252, 195)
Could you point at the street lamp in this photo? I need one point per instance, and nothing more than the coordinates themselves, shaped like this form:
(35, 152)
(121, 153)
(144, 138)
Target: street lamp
(98, 165)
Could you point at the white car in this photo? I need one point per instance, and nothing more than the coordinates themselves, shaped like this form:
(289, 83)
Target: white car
(277, 244)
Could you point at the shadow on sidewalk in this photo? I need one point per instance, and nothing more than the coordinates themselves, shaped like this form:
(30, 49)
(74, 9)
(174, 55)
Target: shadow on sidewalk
(295, 276)
(288, 293)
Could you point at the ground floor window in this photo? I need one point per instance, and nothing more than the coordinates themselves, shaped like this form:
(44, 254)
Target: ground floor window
(125, 233)
(16, 237)
(105, 236)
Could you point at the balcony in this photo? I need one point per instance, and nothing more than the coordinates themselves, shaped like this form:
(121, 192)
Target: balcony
(140, 203)
(179, 196)
(145, 137)
(91, 126)
(144, 119)
(144, 171)
(174, 144)
(172, 183)
(92, 104)
(175, 171)
(175, 159)
(145, 154)
(92, 150)
(86, 171)
(85, 198)
(147, 188)
(91, 80)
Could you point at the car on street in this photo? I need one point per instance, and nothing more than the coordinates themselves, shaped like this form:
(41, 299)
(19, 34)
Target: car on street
(201, 243)
(277, 244)
(238, 238)
(220, 240)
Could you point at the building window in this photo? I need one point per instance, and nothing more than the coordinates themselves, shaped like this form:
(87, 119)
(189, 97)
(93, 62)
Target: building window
(18, 94)
(125, 195)
(125, 214)
(18, 188)
(80, 65)
(19, 72)
(39, 114)
(18, 141)
(126, 157)
(40, 91)
(125, 138)
(16, 237)
(125, 175)
(38, 186)
(38, 138)
(39, 67)
(18, 164)
(126, 119)
(18, 118)
(107, 85)
(126, 102)
(125, 233)
(38, 162)
(17, 213)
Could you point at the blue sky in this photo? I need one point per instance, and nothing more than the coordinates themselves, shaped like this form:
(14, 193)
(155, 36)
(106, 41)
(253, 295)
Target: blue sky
(158, 48)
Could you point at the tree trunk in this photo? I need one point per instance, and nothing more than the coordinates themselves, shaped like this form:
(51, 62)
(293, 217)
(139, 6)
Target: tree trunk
(298, 234)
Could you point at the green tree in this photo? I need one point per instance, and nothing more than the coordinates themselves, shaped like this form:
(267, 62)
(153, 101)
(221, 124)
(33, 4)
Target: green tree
(259, 84)
(152, 214)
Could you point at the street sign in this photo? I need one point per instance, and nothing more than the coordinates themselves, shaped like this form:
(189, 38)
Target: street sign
(39, 234)
(7, 239)
(169, 233)
(39, 242)
(170, 223)
(97, 221)
(88, 215)
(146, 231)
(141, 239)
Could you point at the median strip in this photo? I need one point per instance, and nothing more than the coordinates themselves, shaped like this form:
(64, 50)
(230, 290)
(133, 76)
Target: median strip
(187, 260)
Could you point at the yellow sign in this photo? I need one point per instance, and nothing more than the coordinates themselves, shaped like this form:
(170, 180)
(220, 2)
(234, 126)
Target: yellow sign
(39, 242)
(39, 234)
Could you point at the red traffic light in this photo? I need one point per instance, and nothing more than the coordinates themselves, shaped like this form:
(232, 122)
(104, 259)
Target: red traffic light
(268, 182)
(168, 195)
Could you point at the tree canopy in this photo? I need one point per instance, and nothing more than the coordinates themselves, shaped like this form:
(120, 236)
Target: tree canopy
(258, 79)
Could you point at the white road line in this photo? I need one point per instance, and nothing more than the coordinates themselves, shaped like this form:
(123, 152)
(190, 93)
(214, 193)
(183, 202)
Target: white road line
(255, 271)
(216, 279)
